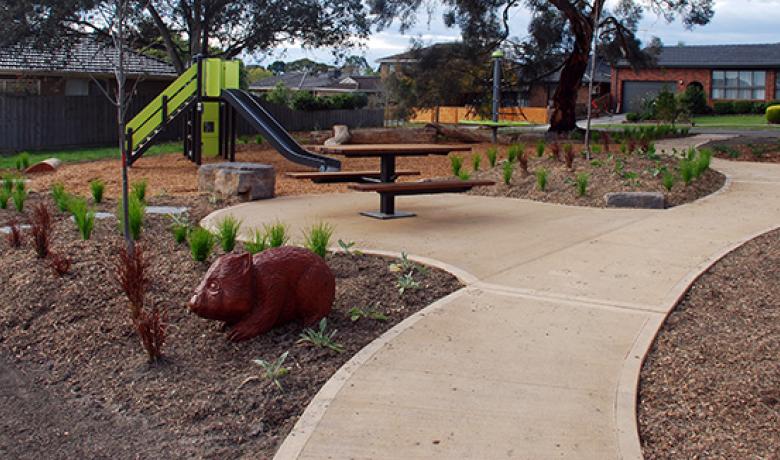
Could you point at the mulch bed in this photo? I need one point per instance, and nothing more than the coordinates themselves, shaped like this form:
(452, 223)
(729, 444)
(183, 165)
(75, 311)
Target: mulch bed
(746, 148)
(76, 382)
(603, 178)
(710, 387)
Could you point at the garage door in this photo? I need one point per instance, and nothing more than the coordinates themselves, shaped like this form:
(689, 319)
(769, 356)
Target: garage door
(635, 91)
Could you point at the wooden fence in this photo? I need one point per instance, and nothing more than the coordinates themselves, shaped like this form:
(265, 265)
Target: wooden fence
(535, 115)
(295, 120)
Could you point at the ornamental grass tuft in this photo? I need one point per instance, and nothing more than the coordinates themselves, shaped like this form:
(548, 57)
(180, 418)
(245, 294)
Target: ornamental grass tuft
(492, 156)
(97, 187)
(202, 243)
(541, 179)
(317, 238)
(227, 232)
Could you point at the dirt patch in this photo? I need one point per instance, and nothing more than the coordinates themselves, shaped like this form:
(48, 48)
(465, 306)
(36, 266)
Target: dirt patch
(710, 387)
(75, 365)
(744, 148)
(607, 172)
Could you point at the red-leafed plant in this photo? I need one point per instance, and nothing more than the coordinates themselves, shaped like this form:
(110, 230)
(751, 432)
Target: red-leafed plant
(555, 151)
(59, 263)
(569, 154)
(605, 139)
(14, 236)
(522, 160)
(150, 324)
(40, 229)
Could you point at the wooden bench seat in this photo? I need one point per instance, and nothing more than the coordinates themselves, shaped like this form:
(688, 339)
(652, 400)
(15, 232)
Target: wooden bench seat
(346, 176)
(422, 188)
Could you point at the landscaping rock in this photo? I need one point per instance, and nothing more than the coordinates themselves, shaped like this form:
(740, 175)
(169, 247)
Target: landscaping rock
(248, 181)
(644, 200)
(47, 165)
(340, 135)
(166, 210)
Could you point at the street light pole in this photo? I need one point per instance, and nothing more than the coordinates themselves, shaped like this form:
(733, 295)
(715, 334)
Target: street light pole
(596, 19)
(497, 56)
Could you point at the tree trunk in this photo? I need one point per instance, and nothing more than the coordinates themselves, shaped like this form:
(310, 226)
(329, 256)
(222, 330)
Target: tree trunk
(170, 47)
(564, 116)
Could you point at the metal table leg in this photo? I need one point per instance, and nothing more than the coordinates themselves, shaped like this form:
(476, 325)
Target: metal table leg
(387, 200)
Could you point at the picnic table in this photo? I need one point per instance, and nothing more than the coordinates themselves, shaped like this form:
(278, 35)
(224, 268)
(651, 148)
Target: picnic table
(386, 185)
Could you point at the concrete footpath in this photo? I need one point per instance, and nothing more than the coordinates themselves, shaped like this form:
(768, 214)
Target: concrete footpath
(538, 357)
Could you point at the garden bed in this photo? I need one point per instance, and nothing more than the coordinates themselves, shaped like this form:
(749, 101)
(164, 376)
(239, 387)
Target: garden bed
(710, 386)
(748, 148)
(76, 382)
(606, 172)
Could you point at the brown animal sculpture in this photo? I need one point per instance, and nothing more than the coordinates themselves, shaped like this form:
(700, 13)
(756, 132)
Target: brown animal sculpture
(253, 294)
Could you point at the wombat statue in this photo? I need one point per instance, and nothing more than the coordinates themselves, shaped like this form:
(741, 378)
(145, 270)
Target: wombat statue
(253, 294)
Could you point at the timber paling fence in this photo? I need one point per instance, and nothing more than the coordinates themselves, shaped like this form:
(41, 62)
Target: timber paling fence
(64, 122)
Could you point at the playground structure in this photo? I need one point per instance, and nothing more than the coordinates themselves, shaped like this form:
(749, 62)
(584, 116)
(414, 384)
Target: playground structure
(206, 100)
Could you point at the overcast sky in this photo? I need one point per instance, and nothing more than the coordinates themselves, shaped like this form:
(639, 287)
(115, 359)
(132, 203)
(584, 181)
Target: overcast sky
(735, 21)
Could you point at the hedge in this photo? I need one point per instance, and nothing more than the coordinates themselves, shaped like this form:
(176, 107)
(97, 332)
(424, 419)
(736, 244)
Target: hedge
(773, 114)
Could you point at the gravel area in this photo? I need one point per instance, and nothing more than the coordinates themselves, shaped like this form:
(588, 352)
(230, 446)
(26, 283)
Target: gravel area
(710, 386)
(743, 148)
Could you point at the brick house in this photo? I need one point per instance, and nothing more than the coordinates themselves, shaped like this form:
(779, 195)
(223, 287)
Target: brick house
(724, 72)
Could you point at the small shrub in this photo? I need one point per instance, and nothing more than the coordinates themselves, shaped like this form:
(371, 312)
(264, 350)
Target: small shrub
(4, 197)
(202, 243)
(59, 264)
(19, 196)
(668, 179)
(227, 231)
(40, 229)
(541, 179)
(60, 196)
(596, 163)
(507, 172)
(514, 151)
(464, 175)
(356, 314)
(633, 117)
(492, 156)
(568, 152)
(276, 235)
(773, 114)
(347, 248)
(595, 149)
(257, 244)
(138, 190)
(83, 216)
(321, 337)
(686, 171)
(476, 161)
(22, 161)
(136, 213)
(317, 238)
(274, 370)
(582, 184)
(456, 164)
(555, 151)
(97, 187)
(540, 148)
(702, 163)
(14, 235)
(152, 326)
(723, 108)
(406, 283)
(743, 107)
(180, 228)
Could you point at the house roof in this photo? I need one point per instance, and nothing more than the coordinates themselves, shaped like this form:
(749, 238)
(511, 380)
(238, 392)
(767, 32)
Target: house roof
(326, 81)
(86, 56)
(718, 56)
(411, 55)
(603, 73)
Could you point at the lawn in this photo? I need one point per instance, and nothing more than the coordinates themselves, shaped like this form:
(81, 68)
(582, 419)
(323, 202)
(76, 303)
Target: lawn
(91, 154)
(734, 122)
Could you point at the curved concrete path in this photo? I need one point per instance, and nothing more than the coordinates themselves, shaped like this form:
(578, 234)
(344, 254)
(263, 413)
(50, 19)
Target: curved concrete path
(539, 356)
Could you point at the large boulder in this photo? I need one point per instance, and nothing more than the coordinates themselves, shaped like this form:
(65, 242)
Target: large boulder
(247, 181)
(644, 200)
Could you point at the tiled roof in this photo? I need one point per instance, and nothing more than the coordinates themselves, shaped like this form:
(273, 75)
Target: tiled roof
(86, 56)
(718, 56)
(603, 73)
(323, 81)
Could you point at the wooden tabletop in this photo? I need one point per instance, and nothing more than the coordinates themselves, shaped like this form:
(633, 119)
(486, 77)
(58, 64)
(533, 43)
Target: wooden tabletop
(378, 150)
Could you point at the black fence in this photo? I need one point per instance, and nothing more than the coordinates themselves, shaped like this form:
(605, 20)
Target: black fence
(62, 122)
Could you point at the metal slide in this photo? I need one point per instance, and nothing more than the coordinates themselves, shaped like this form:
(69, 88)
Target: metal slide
(249, 108)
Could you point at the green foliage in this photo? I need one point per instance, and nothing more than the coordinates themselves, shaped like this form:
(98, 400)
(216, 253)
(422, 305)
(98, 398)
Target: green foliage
(321, 337)
(347, 248)
(508, 169)
(136, 213)
(202, 243)
(83, 216)
(227, 231)
(773, 114)
(492, 156)
(464, 175)
(276, 234)
(138, 190)
(702, 162)
(19, 196)
(582, 184)
(633, 117)
(476, 161)
(22, 161)
(727, 150)
(456, 164)
(694, 101)
(540, 147)
(743, 107)
(356, 313)
(317, 238)
(514, 152)
(541, 179)
(667, 107)
(60, 196)
(4, 197)
(724, 108)
(8, 183)
(97, 187)
(274, 370)
(596, 163)
(595, 149)
(258, 243)
(405, 264)
(280, 94)
(307, 101)
(406, 282)
(686, 169)
(668, 179)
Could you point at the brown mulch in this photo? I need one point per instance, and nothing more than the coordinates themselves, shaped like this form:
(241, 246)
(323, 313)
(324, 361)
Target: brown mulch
(76, 382)
(744, 148)
(710, 387)
(603, 179)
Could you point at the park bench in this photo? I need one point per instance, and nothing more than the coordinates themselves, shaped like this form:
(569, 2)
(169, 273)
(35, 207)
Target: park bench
(346, 176)
(388, 191)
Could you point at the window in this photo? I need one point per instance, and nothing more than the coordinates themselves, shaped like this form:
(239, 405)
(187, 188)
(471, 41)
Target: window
(76, 87)
(739, 84)
(20, 87)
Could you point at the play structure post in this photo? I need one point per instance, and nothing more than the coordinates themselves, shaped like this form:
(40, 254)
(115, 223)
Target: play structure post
(196, 122)
(497, 56)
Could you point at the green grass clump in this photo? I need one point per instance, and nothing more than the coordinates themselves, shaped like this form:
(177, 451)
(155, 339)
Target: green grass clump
(60, 196)
(541, 179)
(476, 161)
(686, 171)
(464, 175)
(8, 183)
(136, 213)
(582, 184)
(180, 228)
(4, 197)
(227, 231)
(19, 196)
(514, 152)
(202, 243)
(702, 162)
(258, 243)
(668, 179)
(509, 168)
(540, 147)
(317, 238)
(492, 156)
(276, 235)
(83, 216)
(138, 190)
(22, 161)
(456, 164)
(97, 187)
